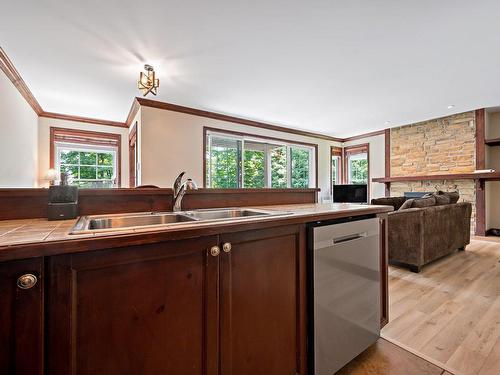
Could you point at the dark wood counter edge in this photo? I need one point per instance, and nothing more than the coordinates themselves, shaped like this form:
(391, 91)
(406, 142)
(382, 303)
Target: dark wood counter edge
(49, 248)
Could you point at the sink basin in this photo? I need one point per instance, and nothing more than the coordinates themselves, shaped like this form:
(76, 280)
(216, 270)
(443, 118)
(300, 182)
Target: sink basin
(110, 223)
(89, 224)
(229, 213)
(137, 221)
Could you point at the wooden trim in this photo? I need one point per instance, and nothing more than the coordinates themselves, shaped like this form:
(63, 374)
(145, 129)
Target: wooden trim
(480, 164)
(387, 161)
(233, 119)
(90, 134)
(11, 72)
(384, 270)
(365, 135)
(133, 112)
(480, 139)
(206, 129)
(492, 142)
(451, 176)
(87, 120)
(335, 151)
(132, 150)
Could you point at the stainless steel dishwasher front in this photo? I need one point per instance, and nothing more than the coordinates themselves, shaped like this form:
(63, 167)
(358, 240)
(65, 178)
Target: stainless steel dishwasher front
(344, 291)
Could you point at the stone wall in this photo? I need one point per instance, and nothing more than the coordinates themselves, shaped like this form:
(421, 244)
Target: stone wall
(441, 146)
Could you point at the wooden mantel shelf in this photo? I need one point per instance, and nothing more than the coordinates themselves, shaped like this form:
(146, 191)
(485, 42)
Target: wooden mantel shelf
(450, 176)
(492, 142)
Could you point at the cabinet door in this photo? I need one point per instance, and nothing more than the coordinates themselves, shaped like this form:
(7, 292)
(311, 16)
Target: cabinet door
(21, 317)
(149, 309)
(262, 299)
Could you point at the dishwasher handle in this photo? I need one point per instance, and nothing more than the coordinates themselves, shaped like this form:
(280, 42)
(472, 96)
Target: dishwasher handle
(351, 237)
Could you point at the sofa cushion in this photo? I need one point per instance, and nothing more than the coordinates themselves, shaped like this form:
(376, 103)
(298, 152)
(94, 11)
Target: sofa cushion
(395, 202)
(407, 204)
(418, 203)
(441, 199)
(453, 195)
(424, 202)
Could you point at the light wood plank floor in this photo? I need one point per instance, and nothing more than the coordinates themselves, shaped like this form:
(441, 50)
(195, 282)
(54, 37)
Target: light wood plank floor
(385, 358)
(450, 312)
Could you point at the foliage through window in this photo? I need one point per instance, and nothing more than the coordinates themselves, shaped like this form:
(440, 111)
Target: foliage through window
(357, 165)
(234, 161)
(86, 167)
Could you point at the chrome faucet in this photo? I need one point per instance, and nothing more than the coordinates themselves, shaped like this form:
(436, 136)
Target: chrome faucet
(180, 189)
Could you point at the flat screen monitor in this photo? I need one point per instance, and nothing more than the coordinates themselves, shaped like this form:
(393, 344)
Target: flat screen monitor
(350, 193)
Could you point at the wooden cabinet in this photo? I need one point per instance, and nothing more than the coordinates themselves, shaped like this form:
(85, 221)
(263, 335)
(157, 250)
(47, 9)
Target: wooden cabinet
(181, 307)
(262, 301)
(21, 317)
(149, 309)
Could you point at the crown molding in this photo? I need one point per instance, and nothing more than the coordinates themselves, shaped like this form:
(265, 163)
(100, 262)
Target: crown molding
(133, 112)
(238, 120)
(87, 120)
(11, 72)
(364, 135)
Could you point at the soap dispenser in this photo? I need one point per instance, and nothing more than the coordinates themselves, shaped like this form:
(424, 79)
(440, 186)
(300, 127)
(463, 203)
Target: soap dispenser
(63, 200)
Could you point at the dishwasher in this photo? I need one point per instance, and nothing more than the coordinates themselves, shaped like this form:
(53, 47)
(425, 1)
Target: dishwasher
(343, 291)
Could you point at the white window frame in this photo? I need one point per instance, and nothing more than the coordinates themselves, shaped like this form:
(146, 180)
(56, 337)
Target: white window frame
(269, 143)
(63, 146)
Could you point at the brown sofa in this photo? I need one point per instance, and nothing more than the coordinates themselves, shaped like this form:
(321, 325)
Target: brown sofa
(417, 236)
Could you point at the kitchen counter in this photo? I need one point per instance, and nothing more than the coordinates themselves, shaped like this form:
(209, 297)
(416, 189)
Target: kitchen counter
(39, 237)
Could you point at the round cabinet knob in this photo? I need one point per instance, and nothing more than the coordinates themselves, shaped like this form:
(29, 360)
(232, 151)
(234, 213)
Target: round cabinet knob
(227, 247)
(26, 281)
(214, 250)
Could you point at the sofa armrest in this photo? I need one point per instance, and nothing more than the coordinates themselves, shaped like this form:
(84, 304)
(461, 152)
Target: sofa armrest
(446, 228)
(406, 236)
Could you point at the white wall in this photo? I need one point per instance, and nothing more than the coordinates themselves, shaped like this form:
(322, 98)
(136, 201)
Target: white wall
(377, 162)
(172, 142)
(493, 161)
(18, 140)
(44, 125)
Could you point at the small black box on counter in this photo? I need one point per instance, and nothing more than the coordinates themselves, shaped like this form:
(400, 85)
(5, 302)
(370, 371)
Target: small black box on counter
(63, 202)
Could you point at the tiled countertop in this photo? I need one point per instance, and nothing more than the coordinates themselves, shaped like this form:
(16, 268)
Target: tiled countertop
(32, 232)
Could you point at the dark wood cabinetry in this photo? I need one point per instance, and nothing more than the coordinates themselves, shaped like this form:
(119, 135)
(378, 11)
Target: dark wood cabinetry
(149, 309)
(222, 304)
(262, 299)
(21, 317)
(181, 307)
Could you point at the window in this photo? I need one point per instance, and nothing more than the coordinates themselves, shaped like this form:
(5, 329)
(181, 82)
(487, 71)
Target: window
(336, 165)
(89, 158)
(235, 160)
(356, 164)
(87, 167)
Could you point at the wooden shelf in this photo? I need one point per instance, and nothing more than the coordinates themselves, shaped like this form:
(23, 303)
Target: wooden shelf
(451, 176)
(492, 142)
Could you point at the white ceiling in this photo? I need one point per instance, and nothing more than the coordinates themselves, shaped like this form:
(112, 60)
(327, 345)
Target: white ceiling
(335, 67)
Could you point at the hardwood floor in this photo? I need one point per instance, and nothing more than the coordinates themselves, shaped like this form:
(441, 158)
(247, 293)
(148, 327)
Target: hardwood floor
(385, 358)
(450, 312)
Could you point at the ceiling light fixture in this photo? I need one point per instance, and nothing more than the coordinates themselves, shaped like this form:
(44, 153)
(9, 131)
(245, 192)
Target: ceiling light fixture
(148, 83)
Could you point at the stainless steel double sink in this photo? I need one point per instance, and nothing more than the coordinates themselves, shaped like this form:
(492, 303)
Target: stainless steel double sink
(116, 222)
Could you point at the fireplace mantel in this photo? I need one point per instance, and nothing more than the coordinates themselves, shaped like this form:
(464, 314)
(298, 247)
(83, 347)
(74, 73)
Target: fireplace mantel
(491, 176)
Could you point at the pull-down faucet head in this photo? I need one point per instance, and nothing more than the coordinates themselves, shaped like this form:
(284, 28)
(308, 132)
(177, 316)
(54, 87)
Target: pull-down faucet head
(180, 189)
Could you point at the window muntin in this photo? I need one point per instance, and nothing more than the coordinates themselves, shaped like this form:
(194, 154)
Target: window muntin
(87, 166)
(257, 163)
